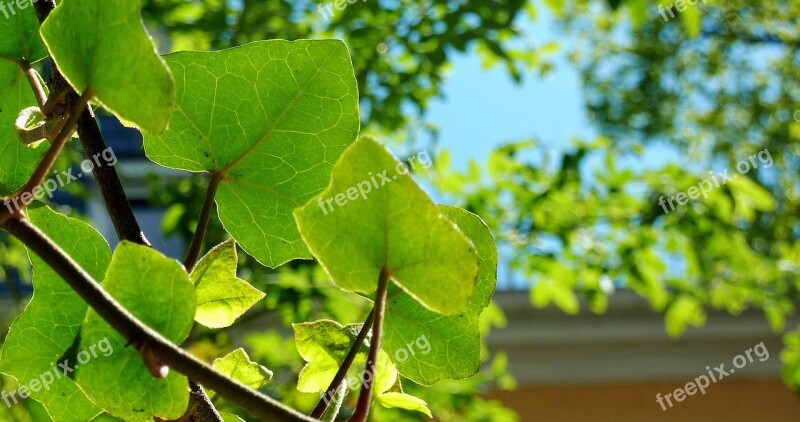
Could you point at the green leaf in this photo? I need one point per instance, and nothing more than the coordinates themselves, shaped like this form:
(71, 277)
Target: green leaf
(683, 312)
(17, 162)
(158, 292)
(40, 337)
(221, 296)
(428, 347)
(21, 41)
(20, 35)
(229, 417)
(373, 215)
(324, 345)
(272, 117)
(692, 20)
(237, 365)
(404, 401)
(107, 50)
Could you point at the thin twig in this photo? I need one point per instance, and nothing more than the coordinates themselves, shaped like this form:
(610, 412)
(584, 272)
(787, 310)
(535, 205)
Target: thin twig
(344, 367)
(202, 222)
(30, 190)
(141, 336)
(365, 397)
(36, 84)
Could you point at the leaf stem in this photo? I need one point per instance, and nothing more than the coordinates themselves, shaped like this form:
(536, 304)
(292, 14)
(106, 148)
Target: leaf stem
(365, 397)
(202, 222)
(31, 188)
(319, 410)
(36, 84)
(141, 336)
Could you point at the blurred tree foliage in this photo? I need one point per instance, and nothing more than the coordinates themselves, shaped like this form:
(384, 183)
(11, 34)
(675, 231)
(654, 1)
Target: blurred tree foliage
(400, 48)
(717, 84)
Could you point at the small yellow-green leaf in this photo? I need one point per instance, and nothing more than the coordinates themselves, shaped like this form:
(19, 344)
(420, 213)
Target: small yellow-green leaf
(221, 296)
(404, 401)
(237, 365)
(104, 47)
(158, 292)
(324, 345)
(374, 216)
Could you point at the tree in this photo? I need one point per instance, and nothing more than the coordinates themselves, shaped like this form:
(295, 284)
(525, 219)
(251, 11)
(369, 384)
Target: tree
(716, 83)
(274, 125)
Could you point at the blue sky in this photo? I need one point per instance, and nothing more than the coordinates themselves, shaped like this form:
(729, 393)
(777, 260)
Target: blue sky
(482, 108)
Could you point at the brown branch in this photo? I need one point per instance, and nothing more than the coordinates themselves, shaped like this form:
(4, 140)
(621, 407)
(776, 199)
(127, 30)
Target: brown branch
(202, 222)
(141, 336)
(365, 397)
(319, 410)
(36, 84)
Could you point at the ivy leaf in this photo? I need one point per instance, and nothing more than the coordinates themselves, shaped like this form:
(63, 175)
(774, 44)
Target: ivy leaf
(373, 215)
(158, 292)
(48, 327)
(20, 34)
(324, 345)
(107, 50)
(428, 347)
(237, 365)
(21, 41)
(404, 401)
(271, 117)
(221, 296)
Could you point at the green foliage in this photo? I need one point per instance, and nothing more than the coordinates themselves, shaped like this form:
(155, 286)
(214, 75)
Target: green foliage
(53, 319)
(221, 296)
(273, 123)
(238, 366)
(450, 345)
(110, 54)
(122, 382)
(426, 255)
(244, 113)
(402, 50)
(324, 344)
(21, 42)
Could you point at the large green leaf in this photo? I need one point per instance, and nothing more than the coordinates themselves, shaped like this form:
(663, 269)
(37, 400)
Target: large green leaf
(158, 292)
(324, 345)
(221, 296)
(104, 47)
(272, 117)
(374, 216)
(47, 329)
(428, 347)
(21, 41)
